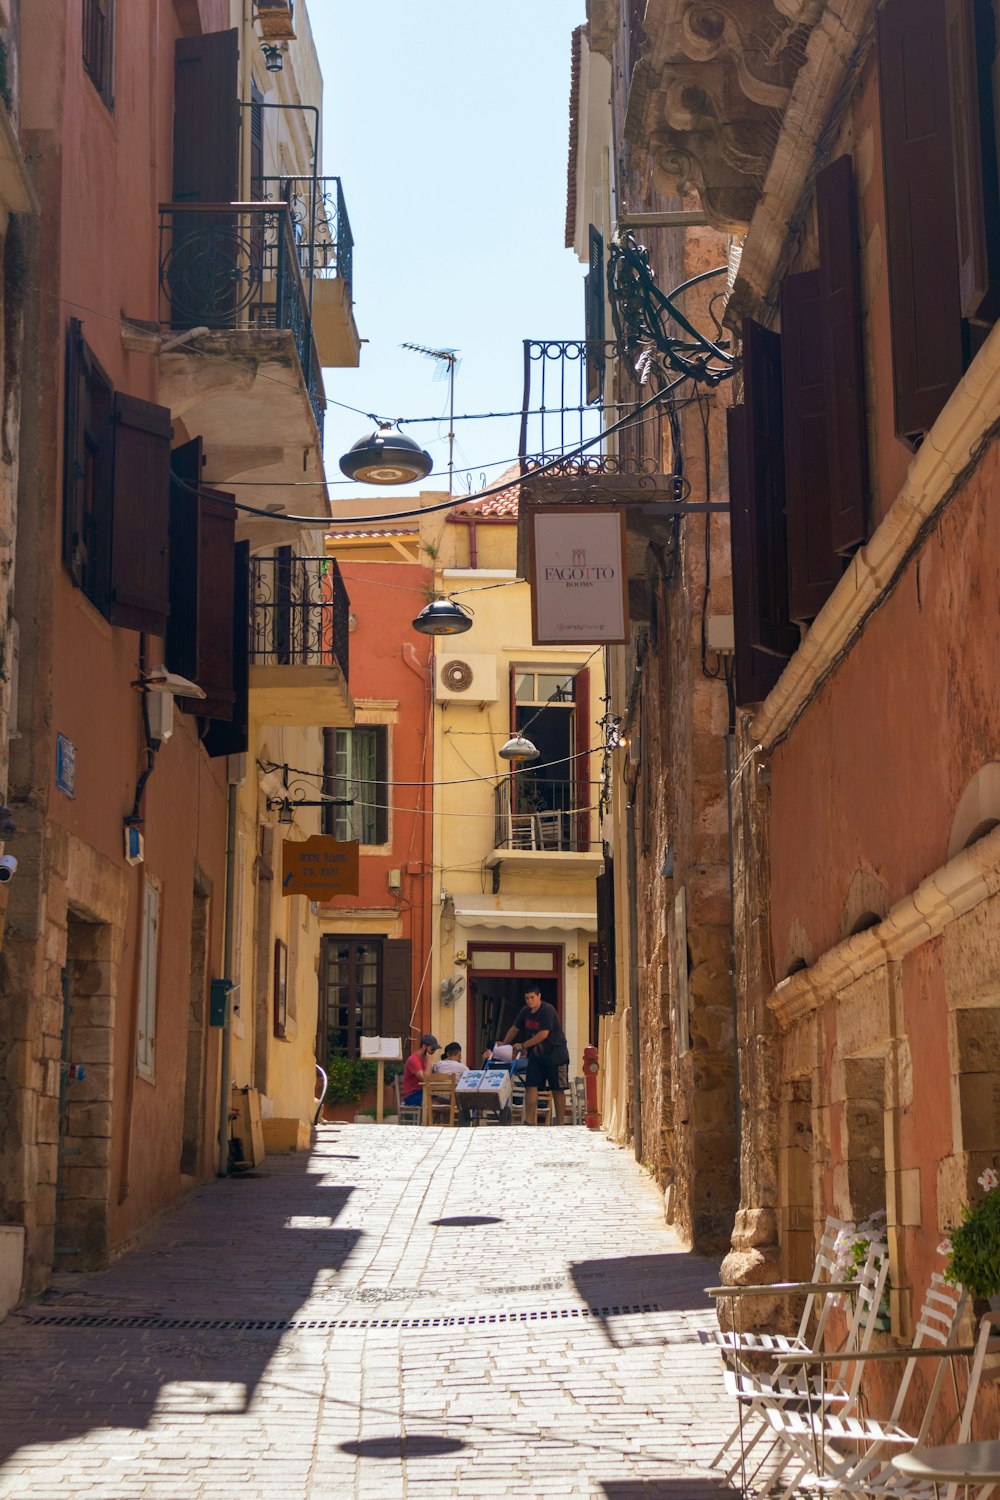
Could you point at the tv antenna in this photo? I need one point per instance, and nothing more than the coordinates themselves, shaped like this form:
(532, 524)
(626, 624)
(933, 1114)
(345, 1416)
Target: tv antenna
(447, 362)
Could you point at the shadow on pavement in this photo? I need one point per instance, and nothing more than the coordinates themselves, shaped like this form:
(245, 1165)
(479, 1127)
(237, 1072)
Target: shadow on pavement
(465, 1221)
(700, 1488)
(230, 1253)
(413, 1445)
(670, 1283)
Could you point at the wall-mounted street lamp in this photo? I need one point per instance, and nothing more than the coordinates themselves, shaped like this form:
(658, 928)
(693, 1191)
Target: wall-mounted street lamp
(443, 617)
(273, 60)
(386, 456)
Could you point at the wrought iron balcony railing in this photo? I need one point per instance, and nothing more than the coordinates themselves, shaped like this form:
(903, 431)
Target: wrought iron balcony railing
(236, 265)
(322, 229)
(300, 612)
(559, 411)
(532, 812)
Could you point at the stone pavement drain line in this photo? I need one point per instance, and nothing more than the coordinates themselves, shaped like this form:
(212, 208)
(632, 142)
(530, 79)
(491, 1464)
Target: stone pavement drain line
(327, 1325)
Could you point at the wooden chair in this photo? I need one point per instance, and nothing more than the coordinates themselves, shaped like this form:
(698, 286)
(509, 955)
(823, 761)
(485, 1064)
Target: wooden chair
(439, 1098)
(546, 1113)
(407, 1114)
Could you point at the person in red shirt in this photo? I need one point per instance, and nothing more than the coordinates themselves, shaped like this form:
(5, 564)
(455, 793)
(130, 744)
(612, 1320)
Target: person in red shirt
(417, 1070)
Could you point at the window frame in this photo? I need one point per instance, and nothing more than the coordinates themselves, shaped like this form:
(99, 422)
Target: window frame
(99, 64)
(346, 822)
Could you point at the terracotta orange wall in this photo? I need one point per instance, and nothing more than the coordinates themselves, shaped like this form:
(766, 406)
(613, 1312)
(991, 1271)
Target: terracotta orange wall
(115, 169)
(385, 597)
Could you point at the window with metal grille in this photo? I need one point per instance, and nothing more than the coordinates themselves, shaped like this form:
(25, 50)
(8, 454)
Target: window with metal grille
(98, 45)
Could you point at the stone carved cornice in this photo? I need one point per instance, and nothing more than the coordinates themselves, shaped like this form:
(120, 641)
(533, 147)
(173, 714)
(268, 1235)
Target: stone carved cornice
(970, 877)
(708, 95)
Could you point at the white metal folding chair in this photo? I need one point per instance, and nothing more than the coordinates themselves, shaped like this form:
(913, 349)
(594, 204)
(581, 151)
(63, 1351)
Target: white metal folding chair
(815, 1441)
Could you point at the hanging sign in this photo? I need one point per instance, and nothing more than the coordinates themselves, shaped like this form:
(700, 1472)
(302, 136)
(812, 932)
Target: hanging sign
(319, 867)
(579, 587)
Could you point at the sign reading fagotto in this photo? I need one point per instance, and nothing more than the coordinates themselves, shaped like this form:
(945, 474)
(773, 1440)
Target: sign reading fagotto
(579, 588)
(319, 867)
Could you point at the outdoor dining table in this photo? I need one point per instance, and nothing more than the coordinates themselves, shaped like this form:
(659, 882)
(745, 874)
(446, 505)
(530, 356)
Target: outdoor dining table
(957, 1463)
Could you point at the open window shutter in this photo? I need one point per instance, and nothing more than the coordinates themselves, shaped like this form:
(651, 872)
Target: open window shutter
(139, 592)
(606, 940)
(813, 566)
(581, 767)
(216, 587)
(256, 142)
(397, 963)
(74, 471)
(756, 671)
(379, 793)
(593, 300)
(771, 627)
(232, 736)
(843, 353)
(182, 626)
(207, 118)
(920, 213)
(971, 48)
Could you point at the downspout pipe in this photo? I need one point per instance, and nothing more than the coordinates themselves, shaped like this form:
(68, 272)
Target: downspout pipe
(228, 946)
(633, 978)
(730, 773)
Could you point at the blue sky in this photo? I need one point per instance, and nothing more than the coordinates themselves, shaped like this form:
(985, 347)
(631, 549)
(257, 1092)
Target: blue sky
(448, 124)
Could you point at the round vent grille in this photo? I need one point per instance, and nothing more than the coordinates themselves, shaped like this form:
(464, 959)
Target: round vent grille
(456, 676)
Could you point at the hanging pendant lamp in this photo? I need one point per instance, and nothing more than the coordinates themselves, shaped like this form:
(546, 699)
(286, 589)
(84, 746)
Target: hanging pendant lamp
(443, 617)
(518, 747)
(386, 456)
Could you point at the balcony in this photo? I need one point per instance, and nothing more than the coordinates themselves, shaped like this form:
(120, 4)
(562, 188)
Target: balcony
(248, 379)
(299, 635)
(325, 248)
(538, 821)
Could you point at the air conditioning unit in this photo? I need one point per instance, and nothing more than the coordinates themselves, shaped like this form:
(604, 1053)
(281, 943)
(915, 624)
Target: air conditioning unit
(466, 679)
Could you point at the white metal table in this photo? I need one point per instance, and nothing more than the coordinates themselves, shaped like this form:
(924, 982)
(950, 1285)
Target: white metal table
(972, 1464)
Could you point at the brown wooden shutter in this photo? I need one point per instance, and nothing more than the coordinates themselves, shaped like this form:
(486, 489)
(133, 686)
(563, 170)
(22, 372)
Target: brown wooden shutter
(216, 586)
(397, 989)
(256, 113)
(232, 736)
(581, 758)
(182, 626)
(922, 256)
(593, 304)
(74, 456)
(971, 50)
(606, 997)
(813, 566)
(756, 671)
(771, 627)
(843, 353)
(207, 118)
(139, 591)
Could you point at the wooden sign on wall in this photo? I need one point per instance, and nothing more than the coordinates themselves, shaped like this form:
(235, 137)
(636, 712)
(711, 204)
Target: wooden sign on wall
(320, 867)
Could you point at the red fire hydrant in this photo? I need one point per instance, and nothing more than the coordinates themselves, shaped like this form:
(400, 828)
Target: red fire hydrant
(591, 1068)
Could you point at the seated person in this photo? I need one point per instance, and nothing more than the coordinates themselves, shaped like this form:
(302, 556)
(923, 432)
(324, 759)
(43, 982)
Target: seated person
(450, 1060)
(417, 1070)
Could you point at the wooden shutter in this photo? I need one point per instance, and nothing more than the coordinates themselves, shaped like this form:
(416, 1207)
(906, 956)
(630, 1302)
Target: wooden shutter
(139, 591)
(397, 991)
(256, 142)
(922, 256)
(606, 999)
(182, 626)
(971, 50)
(813, 566)
(771, 627)
(593, 306)
(843, 353)
(232, 736)
(216, 589)
(206, 118)
(756, 671)
(581, 759)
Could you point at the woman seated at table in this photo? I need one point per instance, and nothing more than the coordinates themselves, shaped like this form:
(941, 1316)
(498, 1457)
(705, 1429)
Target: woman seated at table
(450, 1060)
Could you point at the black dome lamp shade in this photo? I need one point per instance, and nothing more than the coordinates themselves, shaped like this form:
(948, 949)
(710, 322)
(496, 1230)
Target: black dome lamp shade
(386, 456)
(443, 617)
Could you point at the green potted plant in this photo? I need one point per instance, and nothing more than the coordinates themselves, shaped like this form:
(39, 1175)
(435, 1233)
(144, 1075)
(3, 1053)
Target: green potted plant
(350, 1088)
(973, 1247)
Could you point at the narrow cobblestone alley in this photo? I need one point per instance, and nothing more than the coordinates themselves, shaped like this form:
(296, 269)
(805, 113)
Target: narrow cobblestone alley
(405, 1312)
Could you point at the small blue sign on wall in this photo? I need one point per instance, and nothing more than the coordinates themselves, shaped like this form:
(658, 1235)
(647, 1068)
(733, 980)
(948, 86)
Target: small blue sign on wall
(65, 765)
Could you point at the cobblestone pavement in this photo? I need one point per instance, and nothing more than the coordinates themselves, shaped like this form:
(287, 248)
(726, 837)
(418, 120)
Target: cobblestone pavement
(407, 1312)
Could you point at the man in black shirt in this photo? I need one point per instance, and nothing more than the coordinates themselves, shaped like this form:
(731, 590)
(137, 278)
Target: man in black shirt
(536, 1028)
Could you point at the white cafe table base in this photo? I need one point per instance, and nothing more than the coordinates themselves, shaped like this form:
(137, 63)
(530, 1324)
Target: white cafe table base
(958, 1463)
